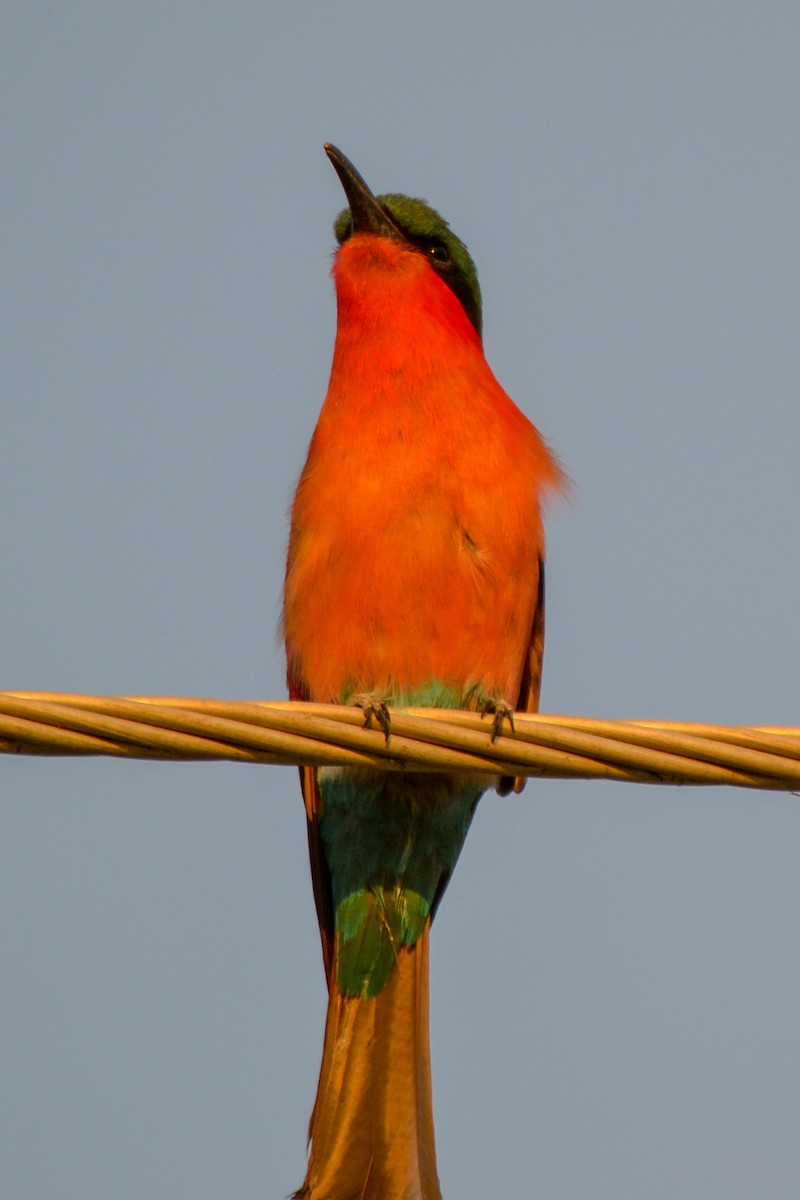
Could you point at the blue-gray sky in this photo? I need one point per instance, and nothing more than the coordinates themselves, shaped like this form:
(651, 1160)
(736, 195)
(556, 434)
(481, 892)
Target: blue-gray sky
(615, 978)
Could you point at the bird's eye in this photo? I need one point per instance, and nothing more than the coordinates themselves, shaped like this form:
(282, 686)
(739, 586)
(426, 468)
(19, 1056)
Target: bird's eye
(439, 252)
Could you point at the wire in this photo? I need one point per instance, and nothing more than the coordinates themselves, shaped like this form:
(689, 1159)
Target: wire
(556, 747)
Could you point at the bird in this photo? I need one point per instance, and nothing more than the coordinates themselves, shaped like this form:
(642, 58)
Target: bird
(414, 577)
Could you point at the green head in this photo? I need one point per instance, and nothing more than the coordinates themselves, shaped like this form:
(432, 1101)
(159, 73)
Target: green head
(415, 224)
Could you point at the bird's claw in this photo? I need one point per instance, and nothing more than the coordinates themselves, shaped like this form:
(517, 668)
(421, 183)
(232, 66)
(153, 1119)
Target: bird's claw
(502, 711)
(374, 706)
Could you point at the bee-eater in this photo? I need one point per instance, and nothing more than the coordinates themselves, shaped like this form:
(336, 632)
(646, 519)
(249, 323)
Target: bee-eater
(415, 576)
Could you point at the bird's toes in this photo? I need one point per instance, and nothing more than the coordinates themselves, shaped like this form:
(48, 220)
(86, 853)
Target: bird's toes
(374, 706)
(502, 712)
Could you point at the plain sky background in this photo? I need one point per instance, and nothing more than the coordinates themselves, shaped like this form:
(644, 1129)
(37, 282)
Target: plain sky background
(615, 974)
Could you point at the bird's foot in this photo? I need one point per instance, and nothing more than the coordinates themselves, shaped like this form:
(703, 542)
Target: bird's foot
(502, 711)
(374, 706)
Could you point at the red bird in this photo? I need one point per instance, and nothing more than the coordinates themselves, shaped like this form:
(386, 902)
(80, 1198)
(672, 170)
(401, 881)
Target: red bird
(415, 576)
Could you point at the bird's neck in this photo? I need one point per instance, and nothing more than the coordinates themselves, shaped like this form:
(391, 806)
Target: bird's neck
(386, 289)
(403, 340)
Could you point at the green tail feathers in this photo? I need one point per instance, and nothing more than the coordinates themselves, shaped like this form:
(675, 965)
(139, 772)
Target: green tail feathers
(371, 927)
(391, 841)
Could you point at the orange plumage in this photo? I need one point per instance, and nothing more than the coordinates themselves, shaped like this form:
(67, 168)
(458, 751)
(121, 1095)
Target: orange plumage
(416, 532)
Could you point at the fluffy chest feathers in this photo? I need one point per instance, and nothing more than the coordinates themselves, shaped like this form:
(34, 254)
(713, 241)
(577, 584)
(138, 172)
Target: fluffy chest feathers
(416, 531)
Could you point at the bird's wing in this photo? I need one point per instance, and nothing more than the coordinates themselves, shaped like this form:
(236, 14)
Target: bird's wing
(320, 875)
(531, 684)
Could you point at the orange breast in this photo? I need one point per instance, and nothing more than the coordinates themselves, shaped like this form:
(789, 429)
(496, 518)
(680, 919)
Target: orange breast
(416, 527)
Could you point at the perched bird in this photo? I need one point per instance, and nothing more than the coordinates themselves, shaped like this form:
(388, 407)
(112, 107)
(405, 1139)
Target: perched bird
(415, 576)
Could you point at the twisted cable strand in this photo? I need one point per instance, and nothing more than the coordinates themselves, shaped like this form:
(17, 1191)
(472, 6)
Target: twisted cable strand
(184, 729)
